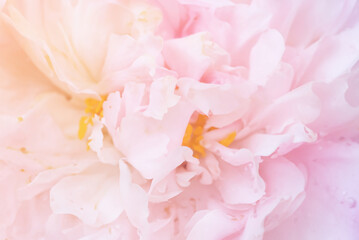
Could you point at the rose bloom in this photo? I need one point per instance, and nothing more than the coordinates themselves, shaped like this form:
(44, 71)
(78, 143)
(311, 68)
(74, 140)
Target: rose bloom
(179, 119)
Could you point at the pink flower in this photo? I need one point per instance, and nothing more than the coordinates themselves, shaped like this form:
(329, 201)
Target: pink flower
(179, 119)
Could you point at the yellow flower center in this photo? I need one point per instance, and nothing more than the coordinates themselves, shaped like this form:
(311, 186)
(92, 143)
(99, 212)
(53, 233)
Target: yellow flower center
(194, 135)
(229, 139)
(93, 107)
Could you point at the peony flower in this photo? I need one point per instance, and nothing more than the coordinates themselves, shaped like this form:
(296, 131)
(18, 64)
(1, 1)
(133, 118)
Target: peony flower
(179, 119)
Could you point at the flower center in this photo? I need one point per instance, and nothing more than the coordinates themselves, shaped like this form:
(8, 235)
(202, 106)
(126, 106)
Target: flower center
(93, 107)
(194, 135)
(229, 139)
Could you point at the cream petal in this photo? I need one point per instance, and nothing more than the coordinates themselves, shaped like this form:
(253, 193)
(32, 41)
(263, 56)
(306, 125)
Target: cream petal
(93, 196)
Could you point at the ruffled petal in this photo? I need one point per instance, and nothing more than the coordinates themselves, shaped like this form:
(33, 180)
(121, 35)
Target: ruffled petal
(93, 196)
(331, 194)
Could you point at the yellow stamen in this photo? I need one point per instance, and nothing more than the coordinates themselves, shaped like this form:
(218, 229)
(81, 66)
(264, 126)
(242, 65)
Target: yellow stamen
(88, 144)
(23, 150)
(193, 136)
(93, 107)
(199, 148)
(212, 128)
(187, 136)
(198, 131)
(201, 120)
(83, 127)
(229, 139)
(198, 139)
